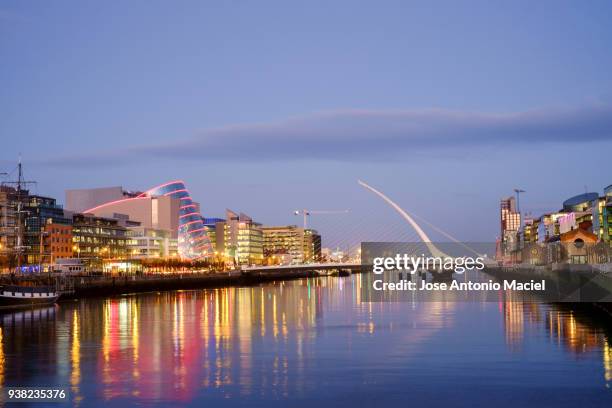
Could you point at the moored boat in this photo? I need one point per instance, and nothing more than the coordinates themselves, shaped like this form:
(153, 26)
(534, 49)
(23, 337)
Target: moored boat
(17, 297)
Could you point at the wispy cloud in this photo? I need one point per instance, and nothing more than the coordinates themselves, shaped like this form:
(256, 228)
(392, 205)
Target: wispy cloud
(374, 135)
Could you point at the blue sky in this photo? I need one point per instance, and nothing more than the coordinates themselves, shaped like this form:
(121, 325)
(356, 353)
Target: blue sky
(269, 106)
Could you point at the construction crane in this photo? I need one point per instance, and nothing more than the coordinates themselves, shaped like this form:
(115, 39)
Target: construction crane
(307, 213)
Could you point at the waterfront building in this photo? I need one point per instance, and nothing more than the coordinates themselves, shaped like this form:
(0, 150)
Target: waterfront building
(530, 230)
(149, 243)
(240, 239)
(509, 216)
(588, 212)
(567, 222)
(193, 240)
(548, 226)
(40, 238)
(168, 206)
(312, 246)
(211, 229)
(602, 216)
(581, 202)
(583, 219)
(47, 230)
(153, 212)
(98, 239)
(292, 244)
(8, 222)
(57, 240)
(80, 200)
(577, 251)
(579, 212)
(510, 222)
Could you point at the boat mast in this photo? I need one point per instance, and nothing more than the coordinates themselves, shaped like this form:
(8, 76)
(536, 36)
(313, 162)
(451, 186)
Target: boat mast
(19, 227)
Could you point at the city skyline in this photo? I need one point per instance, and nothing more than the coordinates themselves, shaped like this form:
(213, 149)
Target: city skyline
(270, 108)
(313, 203)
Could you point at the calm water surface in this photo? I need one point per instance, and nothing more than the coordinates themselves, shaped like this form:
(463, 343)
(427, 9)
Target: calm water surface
(308, 342)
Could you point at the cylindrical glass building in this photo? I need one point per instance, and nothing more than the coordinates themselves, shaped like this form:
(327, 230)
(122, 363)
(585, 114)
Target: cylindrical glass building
(193, 240)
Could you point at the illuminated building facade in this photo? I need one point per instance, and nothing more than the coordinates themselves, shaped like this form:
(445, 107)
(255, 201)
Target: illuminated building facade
(167, 207)
(510, 223)
(312, 246)
(240, 238)
(602, 216)
(212, 226)
(57, 241)
(509, 216)
(193, 240)
(160, 213)
(291, 243)
(98, 238)
(41, 211)
(8, 220)
(147, 243)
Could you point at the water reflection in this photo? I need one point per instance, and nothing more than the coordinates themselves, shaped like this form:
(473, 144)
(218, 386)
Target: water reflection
(288, 341)
(1, 357)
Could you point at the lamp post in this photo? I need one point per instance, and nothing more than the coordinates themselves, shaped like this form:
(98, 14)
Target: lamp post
(75, 248)
(41, 249)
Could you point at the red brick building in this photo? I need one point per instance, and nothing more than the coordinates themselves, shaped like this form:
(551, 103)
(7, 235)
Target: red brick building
(57, 242)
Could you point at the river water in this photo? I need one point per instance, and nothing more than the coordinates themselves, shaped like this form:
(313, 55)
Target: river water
(309, 342)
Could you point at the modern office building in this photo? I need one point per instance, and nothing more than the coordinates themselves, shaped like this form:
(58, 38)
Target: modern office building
(57, 240)
(510, 220)
(193, 240)
(211, 229)
(148, 243)
(530, 229)
(602, 216)
(46, 229)
(8, 221)
(584, 212)
(291, 243)
(98, 238)
(588, 212)
(240, 239)
(40, 212)
(581, 202)
(166, 207)
(312, 246)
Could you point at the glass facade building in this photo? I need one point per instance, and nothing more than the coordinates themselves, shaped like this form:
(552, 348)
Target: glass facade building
(193, 240)
(41, 211)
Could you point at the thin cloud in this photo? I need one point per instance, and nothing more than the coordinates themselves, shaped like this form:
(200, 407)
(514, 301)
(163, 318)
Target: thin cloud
(375, 135)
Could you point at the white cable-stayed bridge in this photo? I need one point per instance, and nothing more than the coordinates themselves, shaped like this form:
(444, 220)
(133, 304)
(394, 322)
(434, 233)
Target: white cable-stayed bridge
(416, 234)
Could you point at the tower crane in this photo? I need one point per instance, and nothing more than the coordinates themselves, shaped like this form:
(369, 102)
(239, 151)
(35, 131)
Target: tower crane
(307, 213)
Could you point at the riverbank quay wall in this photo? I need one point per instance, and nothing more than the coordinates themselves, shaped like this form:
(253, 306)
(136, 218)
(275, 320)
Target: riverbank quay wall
(74, 287)
(566, 283)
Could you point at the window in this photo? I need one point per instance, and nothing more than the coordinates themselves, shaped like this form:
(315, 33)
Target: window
(579, 259)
